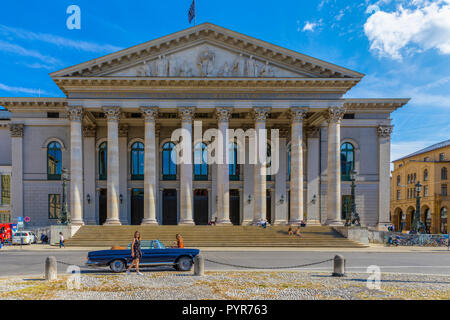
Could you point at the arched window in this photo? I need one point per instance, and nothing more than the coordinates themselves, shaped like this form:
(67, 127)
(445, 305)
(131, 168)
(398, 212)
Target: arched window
(347, 160)
(54, 161)
(415, 178)
(137, 161)
(409, 179)
(444, 220)
(103, 161)
(269, 163)
(169, 168)
(200, 162)
(444, 173)
(425, 175)
(234, 166)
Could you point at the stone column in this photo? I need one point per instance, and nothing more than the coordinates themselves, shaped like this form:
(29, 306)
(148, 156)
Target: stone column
(75, 114)
(186, 192)
(150, 114)
(89, 156)
(223, 169)
(259, 196)
(16, 131)
(281, 198)
(248, 183)
(384, 185)
(297, 115)
(124, 210)
(113, 185)
(312, 200)
(334, 116)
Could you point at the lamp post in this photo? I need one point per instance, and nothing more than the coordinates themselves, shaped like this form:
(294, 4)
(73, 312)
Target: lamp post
(353, 217)
(65, 214)
(417, 225)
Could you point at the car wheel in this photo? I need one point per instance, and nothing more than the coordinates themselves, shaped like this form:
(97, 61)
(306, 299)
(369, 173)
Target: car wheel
(184, 264)
(117, 266)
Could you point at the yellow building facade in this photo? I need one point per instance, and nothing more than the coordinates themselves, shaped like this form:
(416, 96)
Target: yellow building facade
(429, 166)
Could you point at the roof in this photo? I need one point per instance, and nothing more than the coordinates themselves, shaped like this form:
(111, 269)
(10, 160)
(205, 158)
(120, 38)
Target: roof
(436, 146)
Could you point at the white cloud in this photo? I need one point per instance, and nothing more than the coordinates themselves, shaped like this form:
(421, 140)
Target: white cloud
(31, 91)
(423, 27)
(311, 26)
(57, 40)
(21, 51)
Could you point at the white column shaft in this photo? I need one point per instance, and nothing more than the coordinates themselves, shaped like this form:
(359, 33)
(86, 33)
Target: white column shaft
(150, 174)
(384, 185)
(223, 179)
(296, 172)
(186, 192)
(334, 174)
(259, 209)
(113, 174)
(313, 181)
(76, 172)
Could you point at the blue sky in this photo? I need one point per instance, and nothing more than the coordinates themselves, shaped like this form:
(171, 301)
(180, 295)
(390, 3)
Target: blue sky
(403, 47)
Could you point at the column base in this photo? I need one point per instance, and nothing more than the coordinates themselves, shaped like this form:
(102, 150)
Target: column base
(334, 223)
(313, 223)
(112, 222)
(187, 223)
(246, 223)
(149, 222)
(224, 222)
(77, 222)
(280, 223)
(295, 222)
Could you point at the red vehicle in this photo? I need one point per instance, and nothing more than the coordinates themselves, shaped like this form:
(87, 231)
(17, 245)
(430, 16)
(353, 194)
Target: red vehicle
(5, 232)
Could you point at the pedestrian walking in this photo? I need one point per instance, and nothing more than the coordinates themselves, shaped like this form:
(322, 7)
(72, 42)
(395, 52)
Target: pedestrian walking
(61, 240)
(136, 253)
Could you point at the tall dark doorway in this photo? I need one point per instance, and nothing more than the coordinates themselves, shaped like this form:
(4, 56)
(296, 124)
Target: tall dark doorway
(289, 206)
(102, 206)
(268, 207)
(137, 206)
(235, 205)
(170, 216)
(201, 206)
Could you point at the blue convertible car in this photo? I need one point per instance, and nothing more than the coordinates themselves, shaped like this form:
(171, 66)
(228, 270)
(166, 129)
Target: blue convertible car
(154, 253)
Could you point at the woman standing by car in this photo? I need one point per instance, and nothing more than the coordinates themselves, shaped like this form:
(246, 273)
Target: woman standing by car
(136, 253)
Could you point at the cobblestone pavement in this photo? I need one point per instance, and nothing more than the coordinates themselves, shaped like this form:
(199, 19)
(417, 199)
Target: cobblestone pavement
(229, 285)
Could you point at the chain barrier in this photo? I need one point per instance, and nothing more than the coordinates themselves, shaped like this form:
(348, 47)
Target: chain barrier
(252, 267)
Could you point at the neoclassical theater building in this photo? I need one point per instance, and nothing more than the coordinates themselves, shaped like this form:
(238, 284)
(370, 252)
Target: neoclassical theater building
(112, 132)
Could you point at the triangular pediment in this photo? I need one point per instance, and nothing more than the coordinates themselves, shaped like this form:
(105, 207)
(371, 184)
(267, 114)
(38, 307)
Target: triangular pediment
(207, 50)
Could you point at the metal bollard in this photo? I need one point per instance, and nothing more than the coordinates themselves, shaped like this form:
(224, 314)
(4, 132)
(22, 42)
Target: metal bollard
(339, 266)
(51, 270)
(199, 265)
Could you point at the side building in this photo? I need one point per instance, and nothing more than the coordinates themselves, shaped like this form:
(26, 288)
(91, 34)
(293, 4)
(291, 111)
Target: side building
(429, 167)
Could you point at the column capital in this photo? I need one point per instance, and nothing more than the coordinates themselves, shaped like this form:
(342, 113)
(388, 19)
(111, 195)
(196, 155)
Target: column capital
(297, 114)
(223, 114)
(75, 113)
(89, 131)
(186, 113)
(112, 113)
(384, 131)
(150, 113)
(334, 114)
(260, 113)
(123, 131)
(313, 132)
(16, 130)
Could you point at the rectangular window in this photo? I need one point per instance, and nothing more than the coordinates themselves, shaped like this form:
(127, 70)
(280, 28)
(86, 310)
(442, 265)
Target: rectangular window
(6, 189)
(425, 191)
(398, 194)
(444, 189)
(441, 157)
(54, 206)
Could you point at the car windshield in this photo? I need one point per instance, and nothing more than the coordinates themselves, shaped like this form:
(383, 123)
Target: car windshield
(150, 244)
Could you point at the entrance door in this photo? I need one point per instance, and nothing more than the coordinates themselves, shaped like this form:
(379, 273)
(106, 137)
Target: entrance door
(137, 206)
(201, 206)
(170, 216)
(102, 207)
(235, 204)
(268, 207)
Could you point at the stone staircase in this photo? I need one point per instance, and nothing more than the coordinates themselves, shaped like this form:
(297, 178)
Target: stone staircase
(213, 236)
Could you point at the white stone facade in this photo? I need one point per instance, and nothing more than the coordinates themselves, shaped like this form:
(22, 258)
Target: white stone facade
(228, 81)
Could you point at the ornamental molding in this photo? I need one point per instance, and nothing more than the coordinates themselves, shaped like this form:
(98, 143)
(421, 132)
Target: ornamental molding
(89, 131)
(260, 113)
(223, 114)
(123, 130)
(112, 113)
(186, 113)
(335, 114)
(75, 113)
(16, 130)
(385, 131)
(150, 113)
(297, 114)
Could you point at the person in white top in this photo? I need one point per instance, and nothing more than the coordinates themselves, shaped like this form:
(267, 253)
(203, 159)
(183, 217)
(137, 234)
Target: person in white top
(61, 240)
